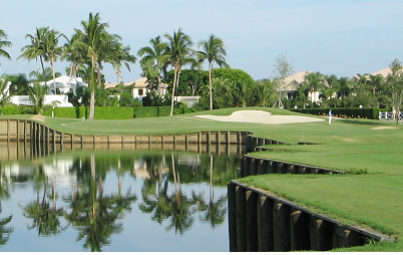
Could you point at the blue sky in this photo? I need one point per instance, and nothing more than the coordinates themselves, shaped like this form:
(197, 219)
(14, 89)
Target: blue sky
(332, 37)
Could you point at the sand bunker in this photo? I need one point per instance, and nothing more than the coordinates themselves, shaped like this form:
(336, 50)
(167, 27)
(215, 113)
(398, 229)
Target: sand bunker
(383, 128)
(263, 117)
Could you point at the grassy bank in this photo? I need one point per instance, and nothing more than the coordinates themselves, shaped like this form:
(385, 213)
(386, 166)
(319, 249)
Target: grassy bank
(369, 149)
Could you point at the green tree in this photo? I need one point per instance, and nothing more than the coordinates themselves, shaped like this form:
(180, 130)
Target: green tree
(4, 92)
(36, 49)
(213, 50)
(395, 86)
(375, 81)
(19, 82)
(179, 53)
(121, 55)
(153, 60)
(4, 43)
(36, 95)
(191, 83)
(265, 92)
(98, 45)
(73, 53)
(52, 51)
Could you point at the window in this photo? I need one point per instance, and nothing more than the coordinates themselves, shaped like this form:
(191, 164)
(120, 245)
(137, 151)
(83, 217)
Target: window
(140, 92)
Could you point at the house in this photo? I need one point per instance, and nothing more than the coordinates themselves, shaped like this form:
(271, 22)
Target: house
(292, 83)
(140, 87)
(64, 84)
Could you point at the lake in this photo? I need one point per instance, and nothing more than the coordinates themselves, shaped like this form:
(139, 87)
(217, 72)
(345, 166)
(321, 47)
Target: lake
(114, 200)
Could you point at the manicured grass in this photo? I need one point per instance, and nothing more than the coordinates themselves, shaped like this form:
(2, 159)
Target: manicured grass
(367, 146)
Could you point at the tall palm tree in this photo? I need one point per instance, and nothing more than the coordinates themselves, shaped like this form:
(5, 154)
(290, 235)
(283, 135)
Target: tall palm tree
(154, 54)
(90, 38)
(99, 46)
(35, 49)
(4, 43)
(213, 50)
(314, 81)
(73, 54)
(51, 49)
(179, 53)
(375, 81)
(122, 56)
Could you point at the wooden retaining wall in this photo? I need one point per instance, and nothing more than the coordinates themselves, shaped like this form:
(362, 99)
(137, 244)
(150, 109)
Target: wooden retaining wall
(257, 166)
(260, 221)
(28, 130)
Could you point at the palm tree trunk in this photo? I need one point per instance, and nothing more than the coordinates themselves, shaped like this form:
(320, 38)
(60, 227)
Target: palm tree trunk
(211, 180)
(43, 70)
(173, 92)
(210, 77)
(53, 73)
(71, 74)
(93, 86)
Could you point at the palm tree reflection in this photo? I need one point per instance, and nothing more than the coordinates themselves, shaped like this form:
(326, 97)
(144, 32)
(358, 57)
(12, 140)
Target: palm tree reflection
(44, 218)
(95, 214)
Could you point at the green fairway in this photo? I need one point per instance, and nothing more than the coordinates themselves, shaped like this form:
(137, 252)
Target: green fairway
(369, 149)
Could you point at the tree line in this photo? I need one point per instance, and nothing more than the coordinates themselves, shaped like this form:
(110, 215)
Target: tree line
(92, 46)
(163, 61)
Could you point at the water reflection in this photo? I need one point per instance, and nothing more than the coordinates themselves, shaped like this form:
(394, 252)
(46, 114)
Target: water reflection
(101, 199)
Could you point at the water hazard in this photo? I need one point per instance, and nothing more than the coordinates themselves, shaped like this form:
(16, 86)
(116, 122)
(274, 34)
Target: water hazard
(115, 200)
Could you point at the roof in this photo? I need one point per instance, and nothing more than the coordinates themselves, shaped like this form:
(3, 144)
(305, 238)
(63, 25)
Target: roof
(384, 72)
(64, 80)
(140, 83)
(293, 81)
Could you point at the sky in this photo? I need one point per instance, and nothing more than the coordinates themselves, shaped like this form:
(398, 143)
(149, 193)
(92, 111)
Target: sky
(340, 37)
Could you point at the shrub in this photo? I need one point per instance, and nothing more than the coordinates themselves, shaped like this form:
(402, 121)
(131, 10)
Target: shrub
(142, 112)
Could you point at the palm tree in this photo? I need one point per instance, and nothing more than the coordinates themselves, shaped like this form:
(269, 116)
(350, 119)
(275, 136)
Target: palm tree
(178, 52)
(154, 56)
(99, 46)
(265, 91)
(51, 49)
(35, 49)
(4, 43)
(314, 81)
(36, 95)
(4, 93)
(214, 51)
(90, 39)
(375, 81)
(122, 56)
(73, 54)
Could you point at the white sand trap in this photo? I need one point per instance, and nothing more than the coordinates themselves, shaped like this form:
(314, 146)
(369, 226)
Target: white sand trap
(258, 116)
(383, 128)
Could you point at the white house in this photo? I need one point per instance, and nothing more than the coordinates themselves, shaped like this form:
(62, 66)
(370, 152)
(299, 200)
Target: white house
(64, 84)
(292, 83)
(140, 88)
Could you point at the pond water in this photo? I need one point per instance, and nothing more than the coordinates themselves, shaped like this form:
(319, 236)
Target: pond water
(115, 200)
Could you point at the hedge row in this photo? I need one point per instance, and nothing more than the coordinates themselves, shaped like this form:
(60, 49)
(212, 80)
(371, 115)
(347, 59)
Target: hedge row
(108, 112)
(359, 113)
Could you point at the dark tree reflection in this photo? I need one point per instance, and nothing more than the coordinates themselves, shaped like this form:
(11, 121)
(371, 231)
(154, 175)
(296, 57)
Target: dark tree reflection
(95, 214)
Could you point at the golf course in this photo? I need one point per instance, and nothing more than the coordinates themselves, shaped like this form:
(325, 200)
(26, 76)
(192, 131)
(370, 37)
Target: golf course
(369, 152)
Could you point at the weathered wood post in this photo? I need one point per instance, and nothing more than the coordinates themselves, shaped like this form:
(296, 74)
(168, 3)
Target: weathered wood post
(299, 223)
(281, 218)
(240, 219)
(232, 217)
(251, 221)
(343, 237)
(265, 224)
(321, 234)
